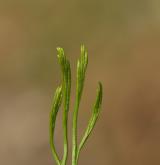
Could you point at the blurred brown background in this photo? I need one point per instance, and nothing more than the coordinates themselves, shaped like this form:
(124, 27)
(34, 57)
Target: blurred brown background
(123, 40)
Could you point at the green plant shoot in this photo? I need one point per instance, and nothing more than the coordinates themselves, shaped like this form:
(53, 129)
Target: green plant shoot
(63, 92)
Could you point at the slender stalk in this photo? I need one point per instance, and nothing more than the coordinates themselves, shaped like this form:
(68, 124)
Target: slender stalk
(74, 134)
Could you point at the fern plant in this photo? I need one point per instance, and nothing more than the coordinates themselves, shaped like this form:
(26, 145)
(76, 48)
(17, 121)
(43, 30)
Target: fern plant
(64, 92)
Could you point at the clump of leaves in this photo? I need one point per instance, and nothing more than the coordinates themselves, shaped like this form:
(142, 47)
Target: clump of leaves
(63, 92)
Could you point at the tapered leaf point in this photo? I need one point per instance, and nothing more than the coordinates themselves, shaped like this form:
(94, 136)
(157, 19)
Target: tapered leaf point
(60, 52)
(98, 103)
(100, 89)
(61, 56)
(86, 57)
(82, 48)
(84, 53)
(83, 61)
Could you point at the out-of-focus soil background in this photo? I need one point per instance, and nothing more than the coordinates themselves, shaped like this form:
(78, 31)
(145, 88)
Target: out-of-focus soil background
(123, 40)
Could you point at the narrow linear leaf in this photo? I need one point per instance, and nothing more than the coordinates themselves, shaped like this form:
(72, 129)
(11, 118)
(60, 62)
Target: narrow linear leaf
(93, 119)
(66, 72)
(81, 70)
(57, 100)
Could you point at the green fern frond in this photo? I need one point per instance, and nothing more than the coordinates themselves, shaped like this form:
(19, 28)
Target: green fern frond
(64, 92)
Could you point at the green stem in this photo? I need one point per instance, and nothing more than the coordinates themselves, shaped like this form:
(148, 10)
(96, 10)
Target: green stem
(74, 134)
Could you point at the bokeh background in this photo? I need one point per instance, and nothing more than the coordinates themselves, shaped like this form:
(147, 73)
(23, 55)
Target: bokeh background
(123, 40)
